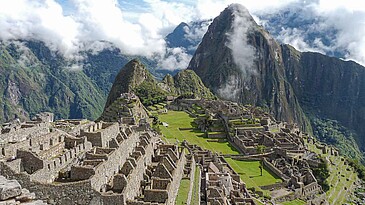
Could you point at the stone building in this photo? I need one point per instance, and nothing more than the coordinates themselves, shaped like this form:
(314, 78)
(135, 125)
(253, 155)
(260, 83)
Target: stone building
(220, 183)
(83, 162)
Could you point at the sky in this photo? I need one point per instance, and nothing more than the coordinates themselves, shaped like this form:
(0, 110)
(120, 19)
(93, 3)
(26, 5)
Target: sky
(138, 27)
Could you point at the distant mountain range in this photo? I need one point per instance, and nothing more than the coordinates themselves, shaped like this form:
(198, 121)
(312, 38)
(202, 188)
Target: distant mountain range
(236, 59)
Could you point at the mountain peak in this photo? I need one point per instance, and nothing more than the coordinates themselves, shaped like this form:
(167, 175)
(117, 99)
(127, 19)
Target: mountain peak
(239, 11)
(235, 7)
(130, 76)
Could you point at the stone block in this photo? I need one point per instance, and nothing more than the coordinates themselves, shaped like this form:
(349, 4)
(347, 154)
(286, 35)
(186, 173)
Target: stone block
(26, 196)
(9, 189)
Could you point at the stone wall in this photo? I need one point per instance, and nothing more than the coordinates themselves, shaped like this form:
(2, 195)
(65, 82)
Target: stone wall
(101, 133)
(70, 193)
(275, 170)
(116, 159)
(177, 175)
(35, 137)
(51, 167)
(191, 179)
(132, 188)
(30, 130)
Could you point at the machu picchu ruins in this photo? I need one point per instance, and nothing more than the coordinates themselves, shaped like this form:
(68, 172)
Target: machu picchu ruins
(122, 159)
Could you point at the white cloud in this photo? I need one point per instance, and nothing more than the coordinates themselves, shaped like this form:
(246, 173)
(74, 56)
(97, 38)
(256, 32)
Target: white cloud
(243, 53)
(349, 22)
(231, 89)
(174, 59)
(40, 20)
(90, 21)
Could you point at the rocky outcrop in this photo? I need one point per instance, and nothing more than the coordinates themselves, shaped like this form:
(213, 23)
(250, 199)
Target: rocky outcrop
(11, 192)
(187, 81)
(134, 77)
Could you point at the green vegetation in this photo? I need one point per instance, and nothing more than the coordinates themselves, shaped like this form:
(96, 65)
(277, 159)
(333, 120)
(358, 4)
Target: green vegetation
(260, 150)
(184, 188)
(359, 168)
(179, 119)
(187, 81)
(250, 173)
(294, 202)
(322, 173)
(332, 132)
(182, 195)
(249, 170)
(43, 84)
(195, 197)
(341, 177)
(150, 94)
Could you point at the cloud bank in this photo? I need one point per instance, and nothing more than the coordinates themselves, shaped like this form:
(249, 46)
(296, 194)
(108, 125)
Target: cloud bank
(243, 54)
(79, 25)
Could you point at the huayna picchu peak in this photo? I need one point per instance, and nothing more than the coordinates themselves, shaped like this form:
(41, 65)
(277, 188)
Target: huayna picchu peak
(217, 112)
(306, 88)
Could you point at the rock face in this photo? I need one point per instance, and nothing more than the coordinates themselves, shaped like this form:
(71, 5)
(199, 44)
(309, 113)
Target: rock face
(11, 192)
(328, 87)
(9, 189)
(240, 61)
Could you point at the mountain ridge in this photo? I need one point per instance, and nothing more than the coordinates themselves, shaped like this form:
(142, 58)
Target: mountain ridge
(274, 79)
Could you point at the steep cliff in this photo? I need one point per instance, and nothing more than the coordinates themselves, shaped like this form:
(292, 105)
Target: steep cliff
(239, 61)
(329, 88)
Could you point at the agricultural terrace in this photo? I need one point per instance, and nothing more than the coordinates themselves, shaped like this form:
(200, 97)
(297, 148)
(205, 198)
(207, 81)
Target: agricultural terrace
(342, 177)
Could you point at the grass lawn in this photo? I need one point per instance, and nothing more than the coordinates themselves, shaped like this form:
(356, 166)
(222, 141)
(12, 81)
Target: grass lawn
(182, 195)
(250, 173)
(180, 119)
(294, 202)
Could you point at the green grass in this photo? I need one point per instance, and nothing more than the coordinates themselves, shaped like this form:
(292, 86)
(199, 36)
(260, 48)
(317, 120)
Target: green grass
(294, 202)
(182, 195)
(250, 173)
(195, 197)
(179, 119)
(338, 178)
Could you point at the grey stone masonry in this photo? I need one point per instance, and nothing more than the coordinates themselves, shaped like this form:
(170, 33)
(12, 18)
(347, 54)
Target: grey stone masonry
(11, 192)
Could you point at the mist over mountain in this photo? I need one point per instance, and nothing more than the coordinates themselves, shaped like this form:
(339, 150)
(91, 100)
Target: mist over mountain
(240, 61)
(69, 68)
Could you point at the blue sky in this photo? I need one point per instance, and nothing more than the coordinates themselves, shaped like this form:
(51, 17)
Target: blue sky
(139, 27)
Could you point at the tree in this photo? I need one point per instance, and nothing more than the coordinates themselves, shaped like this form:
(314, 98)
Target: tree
(261, 149)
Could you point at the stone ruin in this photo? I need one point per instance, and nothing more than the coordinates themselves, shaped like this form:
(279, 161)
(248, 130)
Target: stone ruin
(127, 109)
(284, 149)
(221, 185)
(121, 160)
(84, 162)
(296, 174)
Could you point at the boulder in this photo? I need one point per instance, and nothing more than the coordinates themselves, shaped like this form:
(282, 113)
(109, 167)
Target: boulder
(9, 189)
